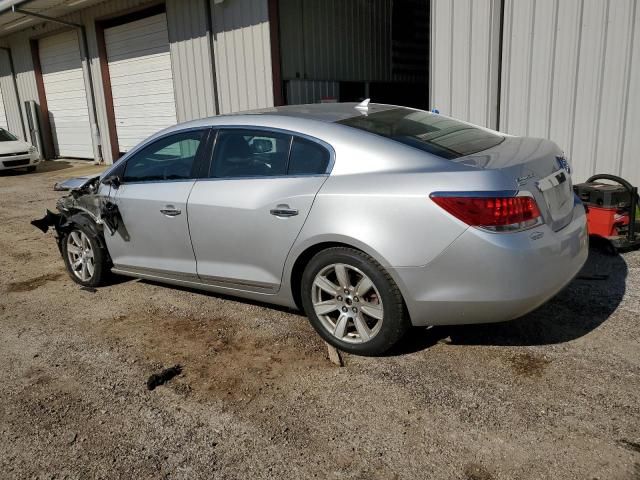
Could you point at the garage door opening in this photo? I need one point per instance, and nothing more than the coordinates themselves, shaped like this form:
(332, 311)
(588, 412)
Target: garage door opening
(349, 50)
(138, 78)
(65, 94)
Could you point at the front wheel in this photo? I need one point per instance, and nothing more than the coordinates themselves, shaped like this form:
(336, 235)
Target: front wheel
(84, 257)
(352, 302)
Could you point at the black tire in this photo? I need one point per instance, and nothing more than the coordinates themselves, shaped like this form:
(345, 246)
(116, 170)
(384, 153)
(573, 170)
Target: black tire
(100, 270)
(395, 320)
(31, 168)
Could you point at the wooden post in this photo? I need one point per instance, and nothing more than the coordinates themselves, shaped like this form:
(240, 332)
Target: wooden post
(334, 356)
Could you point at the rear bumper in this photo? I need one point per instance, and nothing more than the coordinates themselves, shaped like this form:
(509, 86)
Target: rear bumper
(484, 277)
(19, 161)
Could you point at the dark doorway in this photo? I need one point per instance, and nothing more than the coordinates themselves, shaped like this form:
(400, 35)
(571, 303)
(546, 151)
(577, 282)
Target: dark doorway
(356, 49)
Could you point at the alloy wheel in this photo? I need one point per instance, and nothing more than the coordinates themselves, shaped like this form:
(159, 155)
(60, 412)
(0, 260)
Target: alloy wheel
(347, 303)
(80, 255)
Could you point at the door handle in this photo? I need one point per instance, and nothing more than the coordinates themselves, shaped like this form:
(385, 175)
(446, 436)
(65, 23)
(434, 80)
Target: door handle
(284, 211)
(170, 212)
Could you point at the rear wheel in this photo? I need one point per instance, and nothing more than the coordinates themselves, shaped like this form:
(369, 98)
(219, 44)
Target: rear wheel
(84, 257)
(352, 302)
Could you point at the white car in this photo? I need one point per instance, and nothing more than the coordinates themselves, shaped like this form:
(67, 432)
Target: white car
(15, 153)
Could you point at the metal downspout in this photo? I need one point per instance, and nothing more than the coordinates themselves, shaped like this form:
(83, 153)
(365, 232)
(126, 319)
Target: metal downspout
(95, 131)
(212, 37)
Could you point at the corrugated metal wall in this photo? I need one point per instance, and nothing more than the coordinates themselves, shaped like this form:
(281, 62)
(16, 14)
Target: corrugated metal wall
(464, 59)
(242, 50)
(25, 79)
(571, 72)
(311, 91)
(336, 40)
(190, 43)
(11, 106)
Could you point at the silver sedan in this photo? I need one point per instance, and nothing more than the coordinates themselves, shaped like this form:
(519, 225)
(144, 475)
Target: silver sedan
(370, 218)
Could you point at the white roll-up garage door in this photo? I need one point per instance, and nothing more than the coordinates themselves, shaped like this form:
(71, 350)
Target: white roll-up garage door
(66, 95)
(141, 79)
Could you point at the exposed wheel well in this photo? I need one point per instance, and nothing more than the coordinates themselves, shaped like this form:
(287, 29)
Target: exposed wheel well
(301, 263)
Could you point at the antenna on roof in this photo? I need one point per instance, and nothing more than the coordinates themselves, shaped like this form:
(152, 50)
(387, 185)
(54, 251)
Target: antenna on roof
(363, 106)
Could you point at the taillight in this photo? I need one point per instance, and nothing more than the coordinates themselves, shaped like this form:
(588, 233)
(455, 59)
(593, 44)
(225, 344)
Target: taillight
(494, 213)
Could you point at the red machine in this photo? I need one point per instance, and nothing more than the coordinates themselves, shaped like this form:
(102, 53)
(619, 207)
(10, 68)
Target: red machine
(612, 210)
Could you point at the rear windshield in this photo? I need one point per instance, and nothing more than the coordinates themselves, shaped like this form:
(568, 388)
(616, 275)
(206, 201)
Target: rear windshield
(427, 131)
(6, 136)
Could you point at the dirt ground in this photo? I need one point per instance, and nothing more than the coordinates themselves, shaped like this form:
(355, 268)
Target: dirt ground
(553, 395)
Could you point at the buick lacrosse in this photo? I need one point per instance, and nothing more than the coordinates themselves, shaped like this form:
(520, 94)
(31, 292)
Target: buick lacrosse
(370, 218)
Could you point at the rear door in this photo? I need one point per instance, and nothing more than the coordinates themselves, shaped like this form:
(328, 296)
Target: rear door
(246, 215)
(153, 237)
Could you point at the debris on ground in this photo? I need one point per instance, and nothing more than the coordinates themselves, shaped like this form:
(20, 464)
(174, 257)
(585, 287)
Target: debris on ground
(70, 437)
(334, 356)
(163, 377)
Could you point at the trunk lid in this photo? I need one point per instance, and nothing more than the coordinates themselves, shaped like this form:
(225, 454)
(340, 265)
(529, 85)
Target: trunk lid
(534, 165)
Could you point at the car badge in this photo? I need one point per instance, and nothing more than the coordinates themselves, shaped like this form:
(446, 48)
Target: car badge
(523, 179)
(564, 164)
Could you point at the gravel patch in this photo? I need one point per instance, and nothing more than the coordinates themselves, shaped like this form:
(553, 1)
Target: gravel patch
(553, 395)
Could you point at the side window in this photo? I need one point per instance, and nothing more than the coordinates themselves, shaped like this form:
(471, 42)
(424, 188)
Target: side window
(250, 153)
(308, 158)
(170, 158)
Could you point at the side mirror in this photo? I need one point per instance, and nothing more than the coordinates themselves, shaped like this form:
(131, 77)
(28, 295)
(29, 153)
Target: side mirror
(112, 180)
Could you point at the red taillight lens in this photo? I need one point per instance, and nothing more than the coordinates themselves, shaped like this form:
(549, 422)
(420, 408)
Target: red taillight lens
(492, 213)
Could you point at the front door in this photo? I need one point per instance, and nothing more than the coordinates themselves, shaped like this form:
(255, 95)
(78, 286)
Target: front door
(245, 217)
(153, 237)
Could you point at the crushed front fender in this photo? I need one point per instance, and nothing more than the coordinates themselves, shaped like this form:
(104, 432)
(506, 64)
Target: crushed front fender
(49, 220)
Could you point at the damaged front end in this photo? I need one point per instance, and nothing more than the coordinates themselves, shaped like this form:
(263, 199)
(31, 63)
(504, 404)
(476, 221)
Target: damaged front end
(85, 206)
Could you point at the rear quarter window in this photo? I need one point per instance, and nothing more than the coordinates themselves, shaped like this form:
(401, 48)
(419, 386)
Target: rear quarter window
(307, 158)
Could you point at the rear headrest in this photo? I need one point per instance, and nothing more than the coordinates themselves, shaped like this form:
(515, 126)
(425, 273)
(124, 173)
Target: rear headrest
(234, 148)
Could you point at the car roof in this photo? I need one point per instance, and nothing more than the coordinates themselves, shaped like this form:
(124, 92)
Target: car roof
(315, 112)
(324, 112)
(312, 119)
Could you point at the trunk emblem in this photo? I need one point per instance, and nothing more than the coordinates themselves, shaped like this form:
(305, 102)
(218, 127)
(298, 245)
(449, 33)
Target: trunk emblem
(536, 235)
(523, 179)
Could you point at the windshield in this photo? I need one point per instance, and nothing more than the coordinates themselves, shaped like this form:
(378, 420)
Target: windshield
(6, 136)
(427, 131)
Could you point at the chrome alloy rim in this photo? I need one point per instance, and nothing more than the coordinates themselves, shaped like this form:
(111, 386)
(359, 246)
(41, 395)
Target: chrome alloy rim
(80, 255)
(347, 303)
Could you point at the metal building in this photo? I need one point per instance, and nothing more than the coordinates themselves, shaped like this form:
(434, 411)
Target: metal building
(568, 70)
(104, 74)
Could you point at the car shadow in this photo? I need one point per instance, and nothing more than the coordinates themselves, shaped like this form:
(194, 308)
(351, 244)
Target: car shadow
(587, 302)
(223, 296)
(115, 279)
